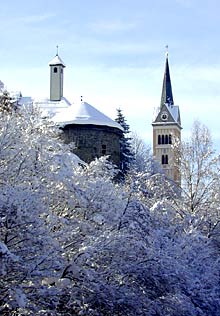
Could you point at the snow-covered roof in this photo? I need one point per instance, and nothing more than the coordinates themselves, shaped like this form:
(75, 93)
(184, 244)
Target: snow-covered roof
(84, 113)
(24, 100)
(174, 111)
(56, 61)
(48, 104)
(49, 108)
(174, 115)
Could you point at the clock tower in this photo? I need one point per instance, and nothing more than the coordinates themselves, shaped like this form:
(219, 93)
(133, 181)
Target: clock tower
(166, 129)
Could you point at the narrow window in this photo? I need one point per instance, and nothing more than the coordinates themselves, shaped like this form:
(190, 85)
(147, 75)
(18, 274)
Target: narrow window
(170, 139)
(164, 159)
(166, 139)
(159, 139)
(103, 149)
(162, 139)
(55, 70)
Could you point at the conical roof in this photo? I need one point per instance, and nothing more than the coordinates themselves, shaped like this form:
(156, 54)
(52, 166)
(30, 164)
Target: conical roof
(56, 61)
(84, 114)
(167, 104)
(167, 95)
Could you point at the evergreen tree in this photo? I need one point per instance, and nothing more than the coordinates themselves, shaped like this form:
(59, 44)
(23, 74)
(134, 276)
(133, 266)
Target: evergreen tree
(1, 86)
(7, 104)
(126, 154)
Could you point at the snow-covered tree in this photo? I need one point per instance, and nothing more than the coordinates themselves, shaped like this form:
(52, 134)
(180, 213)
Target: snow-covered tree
(131, 259)
(199, 166)
(141, 151)
(143, 157)
(7, 104)
(126, 258)
(126, 154)
(29, 149)
(74, 242)
(33, 254)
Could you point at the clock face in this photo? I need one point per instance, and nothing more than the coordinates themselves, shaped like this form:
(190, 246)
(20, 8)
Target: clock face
(164, 116)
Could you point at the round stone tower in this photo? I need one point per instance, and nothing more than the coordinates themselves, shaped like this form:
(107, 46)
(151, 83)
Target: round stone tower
(93, 133)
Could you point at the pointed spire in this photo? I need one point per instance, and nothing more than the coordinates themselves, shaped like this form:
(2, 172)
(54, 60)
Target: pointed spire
(167, 95)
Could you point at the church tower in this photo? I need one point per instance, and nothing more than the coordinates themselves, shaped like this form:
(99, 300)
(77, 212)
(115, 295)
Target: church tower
(56, 78)
(166, 128)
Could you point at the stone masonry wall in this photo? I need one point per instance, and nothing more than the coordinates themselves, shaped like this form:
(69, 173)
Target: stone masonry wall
(94, 141)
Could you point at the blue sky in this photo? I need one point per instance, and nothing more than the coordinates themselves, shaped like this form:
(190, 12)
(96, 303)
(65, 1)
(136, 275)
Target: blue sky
(115, 54)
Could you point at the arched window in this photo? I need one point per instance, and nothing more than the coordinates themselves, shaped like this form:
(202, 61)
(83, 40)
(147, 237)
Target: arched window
(164, 159)
(159, 139)
(163, 139)
(166, 139)
(55, 70)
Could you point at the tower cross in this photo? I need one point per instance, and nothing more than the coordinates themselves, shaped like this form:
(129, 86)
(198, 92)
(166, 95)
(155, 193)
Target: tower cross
(167, 50)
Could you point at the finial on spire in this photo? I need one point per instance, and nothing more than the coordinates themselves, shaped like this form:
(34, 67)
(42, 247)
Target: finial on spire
(81, 98)
(167, 51)
(167, 95)
(57, 49)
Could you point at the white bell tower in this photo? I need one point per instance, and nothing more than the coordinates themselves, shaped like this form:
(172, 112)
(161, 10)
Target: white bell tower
(56, 78)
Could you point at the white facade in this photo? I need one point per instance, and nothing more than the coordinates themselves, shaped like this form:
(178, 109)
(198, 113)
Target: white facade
(56, 78)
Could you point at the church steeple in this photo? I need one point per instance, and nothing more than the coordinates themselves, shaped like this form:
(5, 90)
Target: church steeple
(167, 95)
(166, 129)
